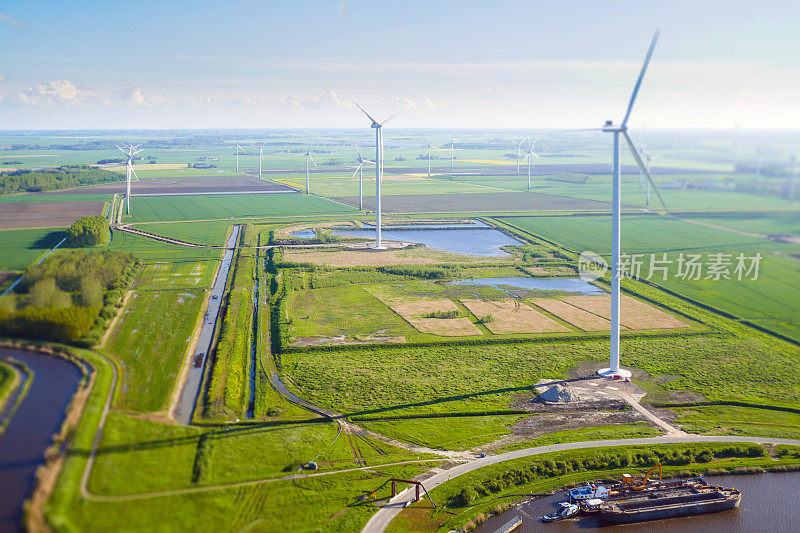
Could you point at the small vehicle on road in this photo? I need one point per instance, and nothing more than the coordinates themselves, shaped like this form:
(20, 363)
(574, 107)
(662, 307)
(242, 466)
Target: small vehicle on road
(214, 297)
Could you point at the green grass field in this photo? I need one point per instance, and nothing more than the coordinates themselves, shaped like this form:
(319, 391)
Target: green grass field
(772, 300)
(731, 420)
(447, 433)
(153, 333)
(208, 233)
(765, 224)
(21, 247)
(38, 198)
(7, 378)
(218, 207)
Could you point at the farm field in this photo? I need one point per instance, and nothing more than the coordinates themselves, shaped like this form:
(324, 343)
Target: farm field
(492, 202)
(179, 208)
(208, 233)
(732, 420)
(765, 223)
(46, 214)
(154, 331)
(52, 197)
(21, 247)
(182, 185)
(771, 300)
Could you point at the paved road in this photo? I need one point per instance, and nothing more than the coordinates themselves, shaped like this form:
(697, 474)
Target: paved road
(191, 387)
(380, 520)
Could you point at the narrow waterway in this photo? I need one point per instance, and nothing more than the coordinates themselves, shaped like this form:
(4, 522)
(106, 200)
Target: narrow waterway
(31, 429)
(194, 379)
(251, 406)
(769, 503)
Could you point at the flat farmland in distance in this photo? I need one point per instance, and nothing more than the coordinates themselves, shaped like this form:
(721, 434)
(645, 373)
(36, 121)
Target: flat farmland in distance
(418, 183)
(217, 207)
(765, 224)
(209, 233)
(21, 247)
(478, 202)
(183, 185)
(47, 197)
(151, 338)
(46, 215)
(640, 234)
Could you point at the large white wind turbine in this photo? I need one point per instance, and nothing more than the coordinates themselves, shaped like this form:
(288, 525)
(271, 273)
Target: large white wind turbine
(132, 151)
(360, 171)
(428, 154)
(453, 143)
(237, 151)
(308, 177)
(616, 207)
(518, 144)
(260, 158)
(529, 157)
(378, 127)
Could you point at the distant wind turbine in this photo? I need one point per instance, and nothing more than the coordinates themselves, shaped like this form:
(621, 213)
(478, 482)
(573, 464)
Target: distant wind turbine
(237, 151)
(616, 208)
(360, 172)
(529, 157)
(309, 158)
(260, 158)
(132, 151)
(453, 142)
(378, 127)
(518, 144)
(428, 154)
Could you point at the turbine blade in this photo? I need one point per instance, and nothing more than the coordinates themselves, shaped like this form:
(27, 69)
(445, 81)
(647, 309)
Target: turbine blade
(643, 168)
(356, 172)
(134, 173)
(363, 110)
(312, 160)
(121, 150)
(401, 111)
(641, 77)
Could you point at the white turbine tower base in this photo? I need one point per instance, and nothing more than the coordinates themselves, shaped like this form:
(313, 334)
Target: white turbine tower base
(614, 369)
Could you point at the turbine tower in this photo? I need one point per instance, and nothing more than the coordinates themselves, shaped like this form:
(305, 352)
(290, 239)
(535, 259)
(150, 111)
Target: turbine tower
(453, 142)
(518, 144)
(308, 178)
(616, 207)
(428, 154)
(260, 158)
(378, 127)
(360, 171)
(237, 151)
(132, 151)
(529, 157)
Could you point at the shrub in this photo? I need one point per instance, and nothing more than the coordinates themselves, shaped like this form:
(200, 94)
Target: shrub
(453, 313)
(89, 231)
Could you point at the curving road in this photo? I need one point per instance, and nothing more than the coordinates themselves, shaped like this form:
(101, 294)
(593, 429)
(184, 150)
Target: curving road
(380, 520)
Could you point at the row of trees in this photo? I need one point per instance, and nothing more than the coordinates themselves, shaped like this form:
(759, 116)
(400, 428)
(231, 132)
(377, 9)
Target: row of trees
(70, 296)
(50, 179)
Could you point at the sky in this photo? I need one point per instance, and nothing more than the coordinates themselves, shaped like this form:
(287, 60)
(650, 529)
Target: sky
(466, 64)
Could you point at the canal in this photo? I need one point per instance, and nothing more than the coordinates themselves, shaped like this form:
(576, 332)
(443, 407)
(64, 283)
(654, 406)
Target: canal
(769, 503)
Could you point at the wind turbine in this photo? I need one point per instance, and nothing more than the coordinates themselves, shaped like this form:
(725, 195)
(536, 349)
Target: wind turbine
(529, 157)
(260, 158)
(132, 151)
(360, 172)
(428, 154)
(616, 208)
(378, 126)
(649, 159)
(237, 151)
(309, 158)
(453, 142)
(518, 144)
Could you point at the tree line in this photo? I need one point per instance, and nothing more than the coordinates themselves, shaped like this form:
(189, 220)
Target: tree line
(50, 179)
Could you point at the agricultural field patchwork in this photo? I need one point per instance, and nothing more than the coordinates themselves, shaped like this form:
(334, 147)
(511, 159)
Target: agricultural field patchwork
(21, 247)
(217, 207)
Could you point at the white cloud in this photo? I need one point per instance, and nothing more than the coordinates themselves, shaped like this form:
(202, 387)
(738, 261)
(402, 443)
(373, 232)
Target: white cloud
(11, 20)
(57, 93)
(134, 96)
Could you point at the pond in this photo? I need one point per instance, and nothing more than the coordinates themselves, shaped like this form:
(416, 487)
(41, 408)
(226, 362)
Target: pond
(470, 239)
(570, 285)
(304, 234)
(769, 503)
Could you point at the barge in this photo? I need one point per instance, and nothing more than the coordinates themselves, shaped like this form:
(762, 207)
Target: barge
(669, 502)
